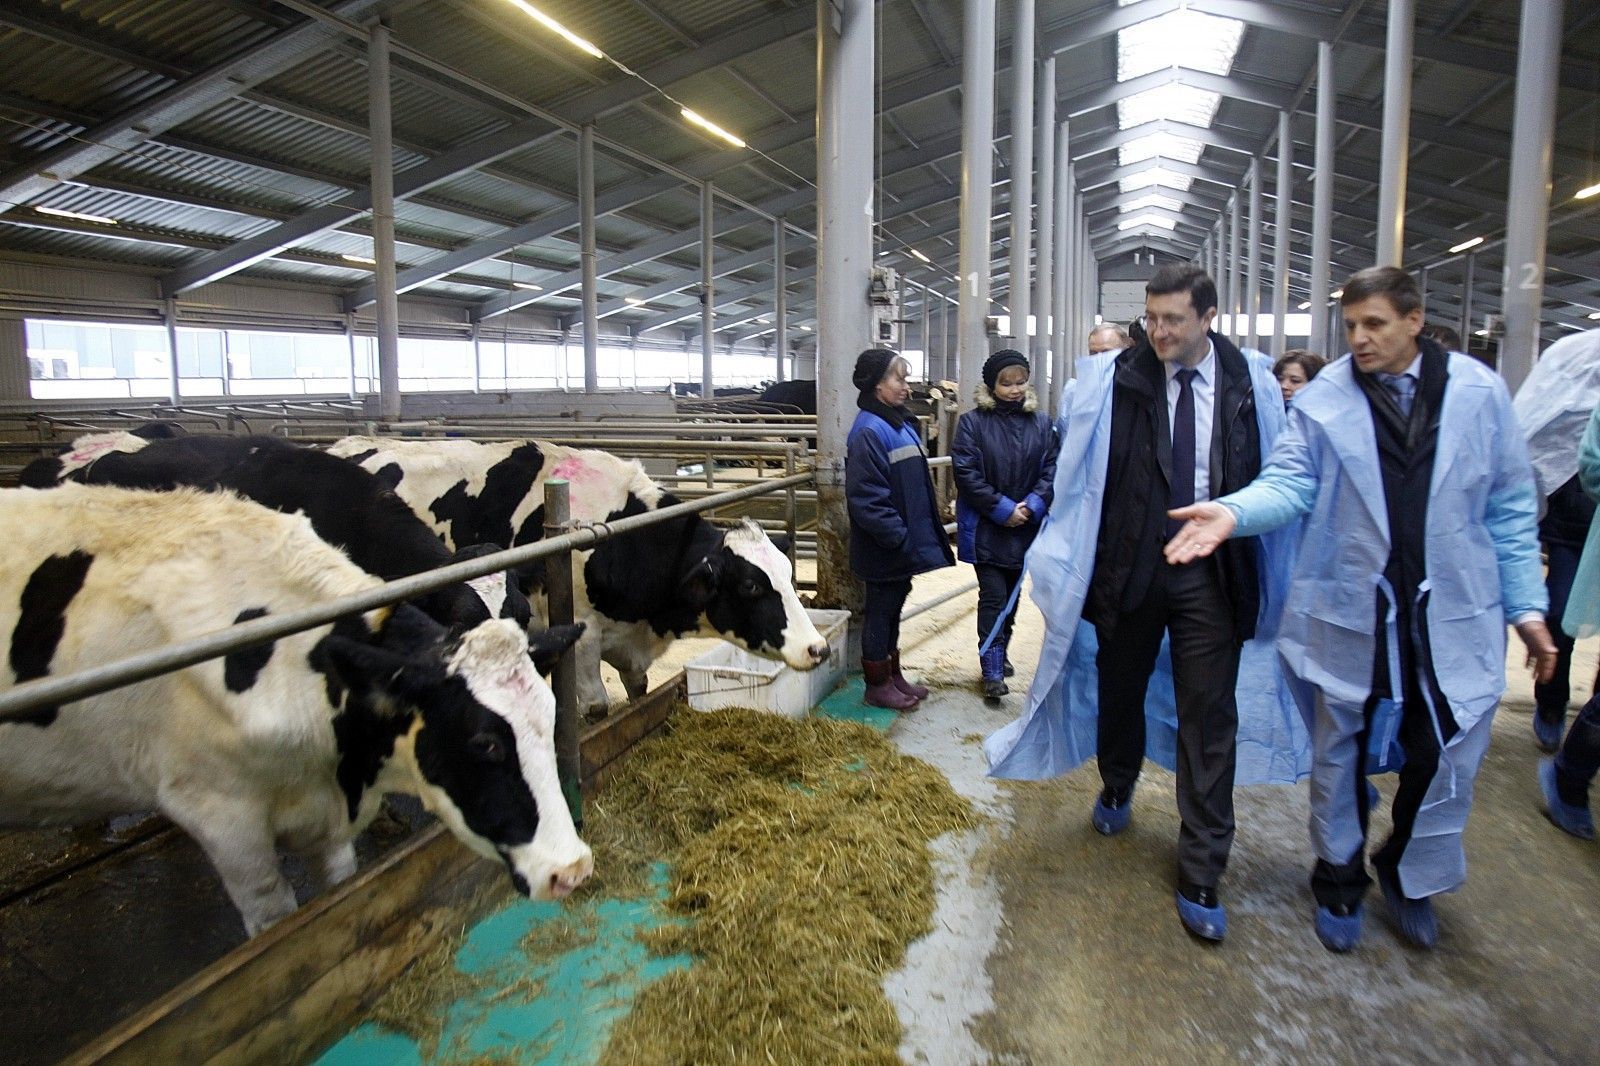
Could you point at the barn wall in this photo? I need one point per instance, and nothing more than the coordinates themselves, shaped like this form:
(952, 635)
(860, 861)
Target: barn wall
(13, 360)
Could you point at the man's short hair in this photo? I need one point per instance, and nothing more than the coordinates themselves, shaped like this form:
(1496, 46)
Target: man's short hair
(1387, 281)
(1185, 277)
(1446, 336)
(1110, 327)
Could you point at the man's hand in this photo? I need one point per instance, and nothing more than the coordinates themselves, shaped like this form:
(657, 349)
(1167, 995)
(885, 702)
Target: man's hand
(1541, 648)
(1207, 525)
(1019, 516)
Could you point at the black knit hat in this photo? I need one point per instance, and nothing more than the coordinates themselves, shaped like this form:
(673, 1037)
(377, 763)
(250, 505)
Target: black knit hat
(871, 365)
(999, 361)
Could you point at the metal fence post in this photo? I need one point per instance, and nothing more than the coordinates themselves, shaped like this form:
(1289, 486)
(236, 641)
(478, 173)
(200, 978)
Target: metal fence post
(558, 596)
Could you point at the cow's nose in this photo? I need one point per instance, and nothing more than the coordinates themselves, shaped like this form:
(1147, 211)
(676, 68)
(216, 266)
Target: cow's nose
(819, 651)
(569, 877)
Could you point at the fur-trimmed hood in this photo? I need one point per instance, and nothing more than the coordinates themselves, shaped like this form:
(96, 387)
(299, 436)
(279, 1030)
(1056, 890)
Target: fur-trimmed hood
(984, 400)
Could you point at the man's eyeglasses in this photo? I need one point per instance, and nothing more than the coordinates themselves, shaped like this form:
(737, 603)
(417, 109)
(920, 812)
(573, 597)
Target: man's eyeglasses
(1149, 323)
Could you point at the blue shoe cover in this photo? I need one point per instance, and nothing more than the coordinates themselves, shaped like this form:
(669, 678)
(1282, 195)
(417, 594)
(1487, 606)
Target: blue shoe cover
(1110, 821)
(1548, 734)
(1207, 923)
(1413, 917)
(1569, 819)
(1338, 933)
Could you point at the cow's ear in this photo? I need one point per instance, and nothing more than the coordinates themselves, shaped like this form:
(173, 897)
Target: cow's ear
(699, 585)
(781, 542)
(366, 668)
(546, 645)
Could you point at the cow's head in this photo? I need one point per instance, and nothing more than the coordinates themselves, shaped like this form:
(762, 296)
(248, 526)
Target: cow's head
(481, 747)
(745, 590)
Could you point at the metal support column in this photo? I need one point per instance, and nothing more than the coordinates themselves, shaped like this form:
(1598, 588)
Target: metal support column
(845, 63)
(1044, 266)
(927, 345)
(780, 296)
(564, 680)
(708, 293)
(1021, 169)
(1223, 276)
(1235, 290)
(1252, 289)
(977, 194)
(350, 343)
(1322, 199)
(1466, 301)
(169, 315)
(1062, 269)
(1528, 194)
(387, 304)
(477, 357)
(1396, 133)
(586, 255)
(1280, 236)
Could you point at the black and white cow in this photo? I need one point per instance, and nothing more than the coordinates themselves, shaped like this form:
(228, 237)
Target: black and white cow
(638, 592)
(348, 507)
(291, 743)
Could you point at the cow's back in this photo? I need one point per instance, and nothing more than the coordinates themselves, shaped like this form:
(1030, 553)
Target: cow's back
(96, 574)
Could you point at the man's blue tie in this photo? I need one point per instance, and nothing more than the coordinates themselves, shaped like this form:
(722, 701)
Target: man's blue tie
(1403, 387)
(1182, 490)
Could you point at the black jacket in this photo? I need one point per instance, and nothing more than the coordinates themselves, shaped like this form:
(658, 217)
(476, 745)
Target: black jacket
(1002, 456)
(1138, 472)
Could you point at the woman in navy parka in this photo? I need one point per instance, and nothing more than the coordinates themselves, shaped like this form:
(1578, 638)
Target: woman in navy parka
(895, 532)
(1004, 458)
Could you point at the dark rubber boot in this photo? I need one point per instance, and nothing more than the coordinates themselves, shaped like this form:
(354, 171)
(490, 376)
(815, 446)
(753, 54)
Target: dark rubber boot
(881, 690)
(993, 664)
(916, 692)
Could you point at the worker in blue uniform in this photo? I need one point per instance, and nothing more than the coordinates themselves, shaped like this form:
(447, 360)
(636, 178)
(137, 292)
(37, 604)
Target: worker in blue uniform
(1419, 547)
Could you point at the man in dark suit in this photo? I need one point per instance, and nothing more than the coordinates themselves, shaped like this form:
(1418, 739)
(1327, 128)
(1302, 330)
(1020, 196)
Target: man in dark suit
(1183, 430)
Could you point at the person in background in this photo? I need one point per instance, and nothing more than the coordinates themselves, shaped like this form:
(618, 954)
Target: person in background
(1565, 779)
(895, 530)
(1445, 336)
(1107, 337)
(1294, 370)
(1418, 549)
(1569, 513)
(1005, 466)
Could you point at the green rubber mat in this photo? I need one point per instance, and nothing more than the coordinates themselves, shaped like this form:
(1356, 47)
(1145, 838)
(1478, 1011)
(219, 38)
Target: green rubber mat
(572, 998)
(845, 704)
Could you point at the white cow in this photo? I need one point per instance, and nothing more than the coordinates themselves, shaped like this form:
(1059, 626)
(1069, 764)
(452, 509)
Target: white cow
(635, 593)
(292, 743)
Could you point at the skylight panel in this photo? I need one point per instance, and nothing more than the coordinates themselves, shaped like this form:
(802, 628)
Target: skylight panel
(1184, 103)
(1179, 38)
(1153, 200)
(1155, 176)
(1136, 221)
(1162, 145)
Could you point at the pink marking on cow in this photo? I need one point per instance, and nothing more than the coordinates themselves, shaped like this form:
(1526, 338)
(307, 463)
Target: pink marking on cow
(573, 469)
(92, 452)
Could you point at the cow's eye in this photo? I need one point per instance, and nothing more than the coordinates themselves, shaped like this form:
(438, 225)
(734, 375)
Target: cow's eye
(487, 746)
(750, 590)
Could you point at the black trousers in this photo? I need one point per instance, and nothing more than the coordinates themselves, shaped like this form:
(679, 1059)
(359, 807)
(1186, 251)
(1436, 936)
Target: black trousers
(1551, 698)
(880, 623)
(994, 589)
(1344, 884)
(1189, 604)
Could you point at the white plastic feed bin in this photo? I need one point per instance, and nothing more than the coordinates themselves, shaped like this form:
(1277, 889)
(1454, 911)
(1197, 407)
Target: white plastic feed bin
(729, 676)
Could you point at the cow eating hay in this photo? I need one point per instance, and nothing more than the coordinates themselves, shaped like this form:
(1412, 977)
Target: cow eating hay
(799, 857)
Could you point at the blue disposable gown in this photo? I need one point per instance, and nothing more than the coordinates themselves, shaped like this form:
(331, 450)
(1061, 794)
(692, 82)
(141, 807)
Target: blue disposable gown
(1483, 569)
(1582, 616)
(1056, 732)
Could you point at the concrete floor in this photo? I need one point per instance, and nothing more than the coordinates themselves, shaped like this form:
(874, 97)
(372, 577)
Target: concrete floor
(1053, 944)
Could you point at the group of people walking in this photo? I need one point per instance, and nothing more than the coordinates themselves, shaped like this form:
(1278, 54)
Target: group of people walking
(1248, 572)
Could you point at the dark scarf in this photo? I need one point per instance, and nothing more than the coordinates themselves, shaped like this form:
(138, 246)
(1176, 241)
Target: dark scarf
(868, 400)
(1007, 407)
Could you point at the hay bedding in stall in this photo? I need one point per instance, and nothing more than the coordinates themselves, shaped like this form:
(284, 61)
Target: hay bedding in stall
(799, 863)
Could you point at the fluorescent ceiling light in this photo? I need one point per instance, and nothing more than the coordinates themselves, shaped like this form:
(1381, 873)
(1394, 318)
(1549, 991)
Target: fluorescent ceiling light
(1159, 146)
(530, 286)
(365, 260)
(1586, 192)
(1481, 333)
(761, 321)
(1464, 245)
(920, 256)
(1305, 305)
(634, 300)
(705, 123)
(1594, 315)
(806, 328)
(1146, 220)
(559, 30)
(1156, 176)
(1179, 38)
(78, 215)
(1335, 294)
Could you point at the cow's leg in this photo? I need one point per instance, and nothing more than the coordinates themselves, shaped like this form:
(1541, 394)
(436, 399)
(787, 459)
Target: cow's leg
(633, 667)
(238, 840)
(333, 863)
(592, 699)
